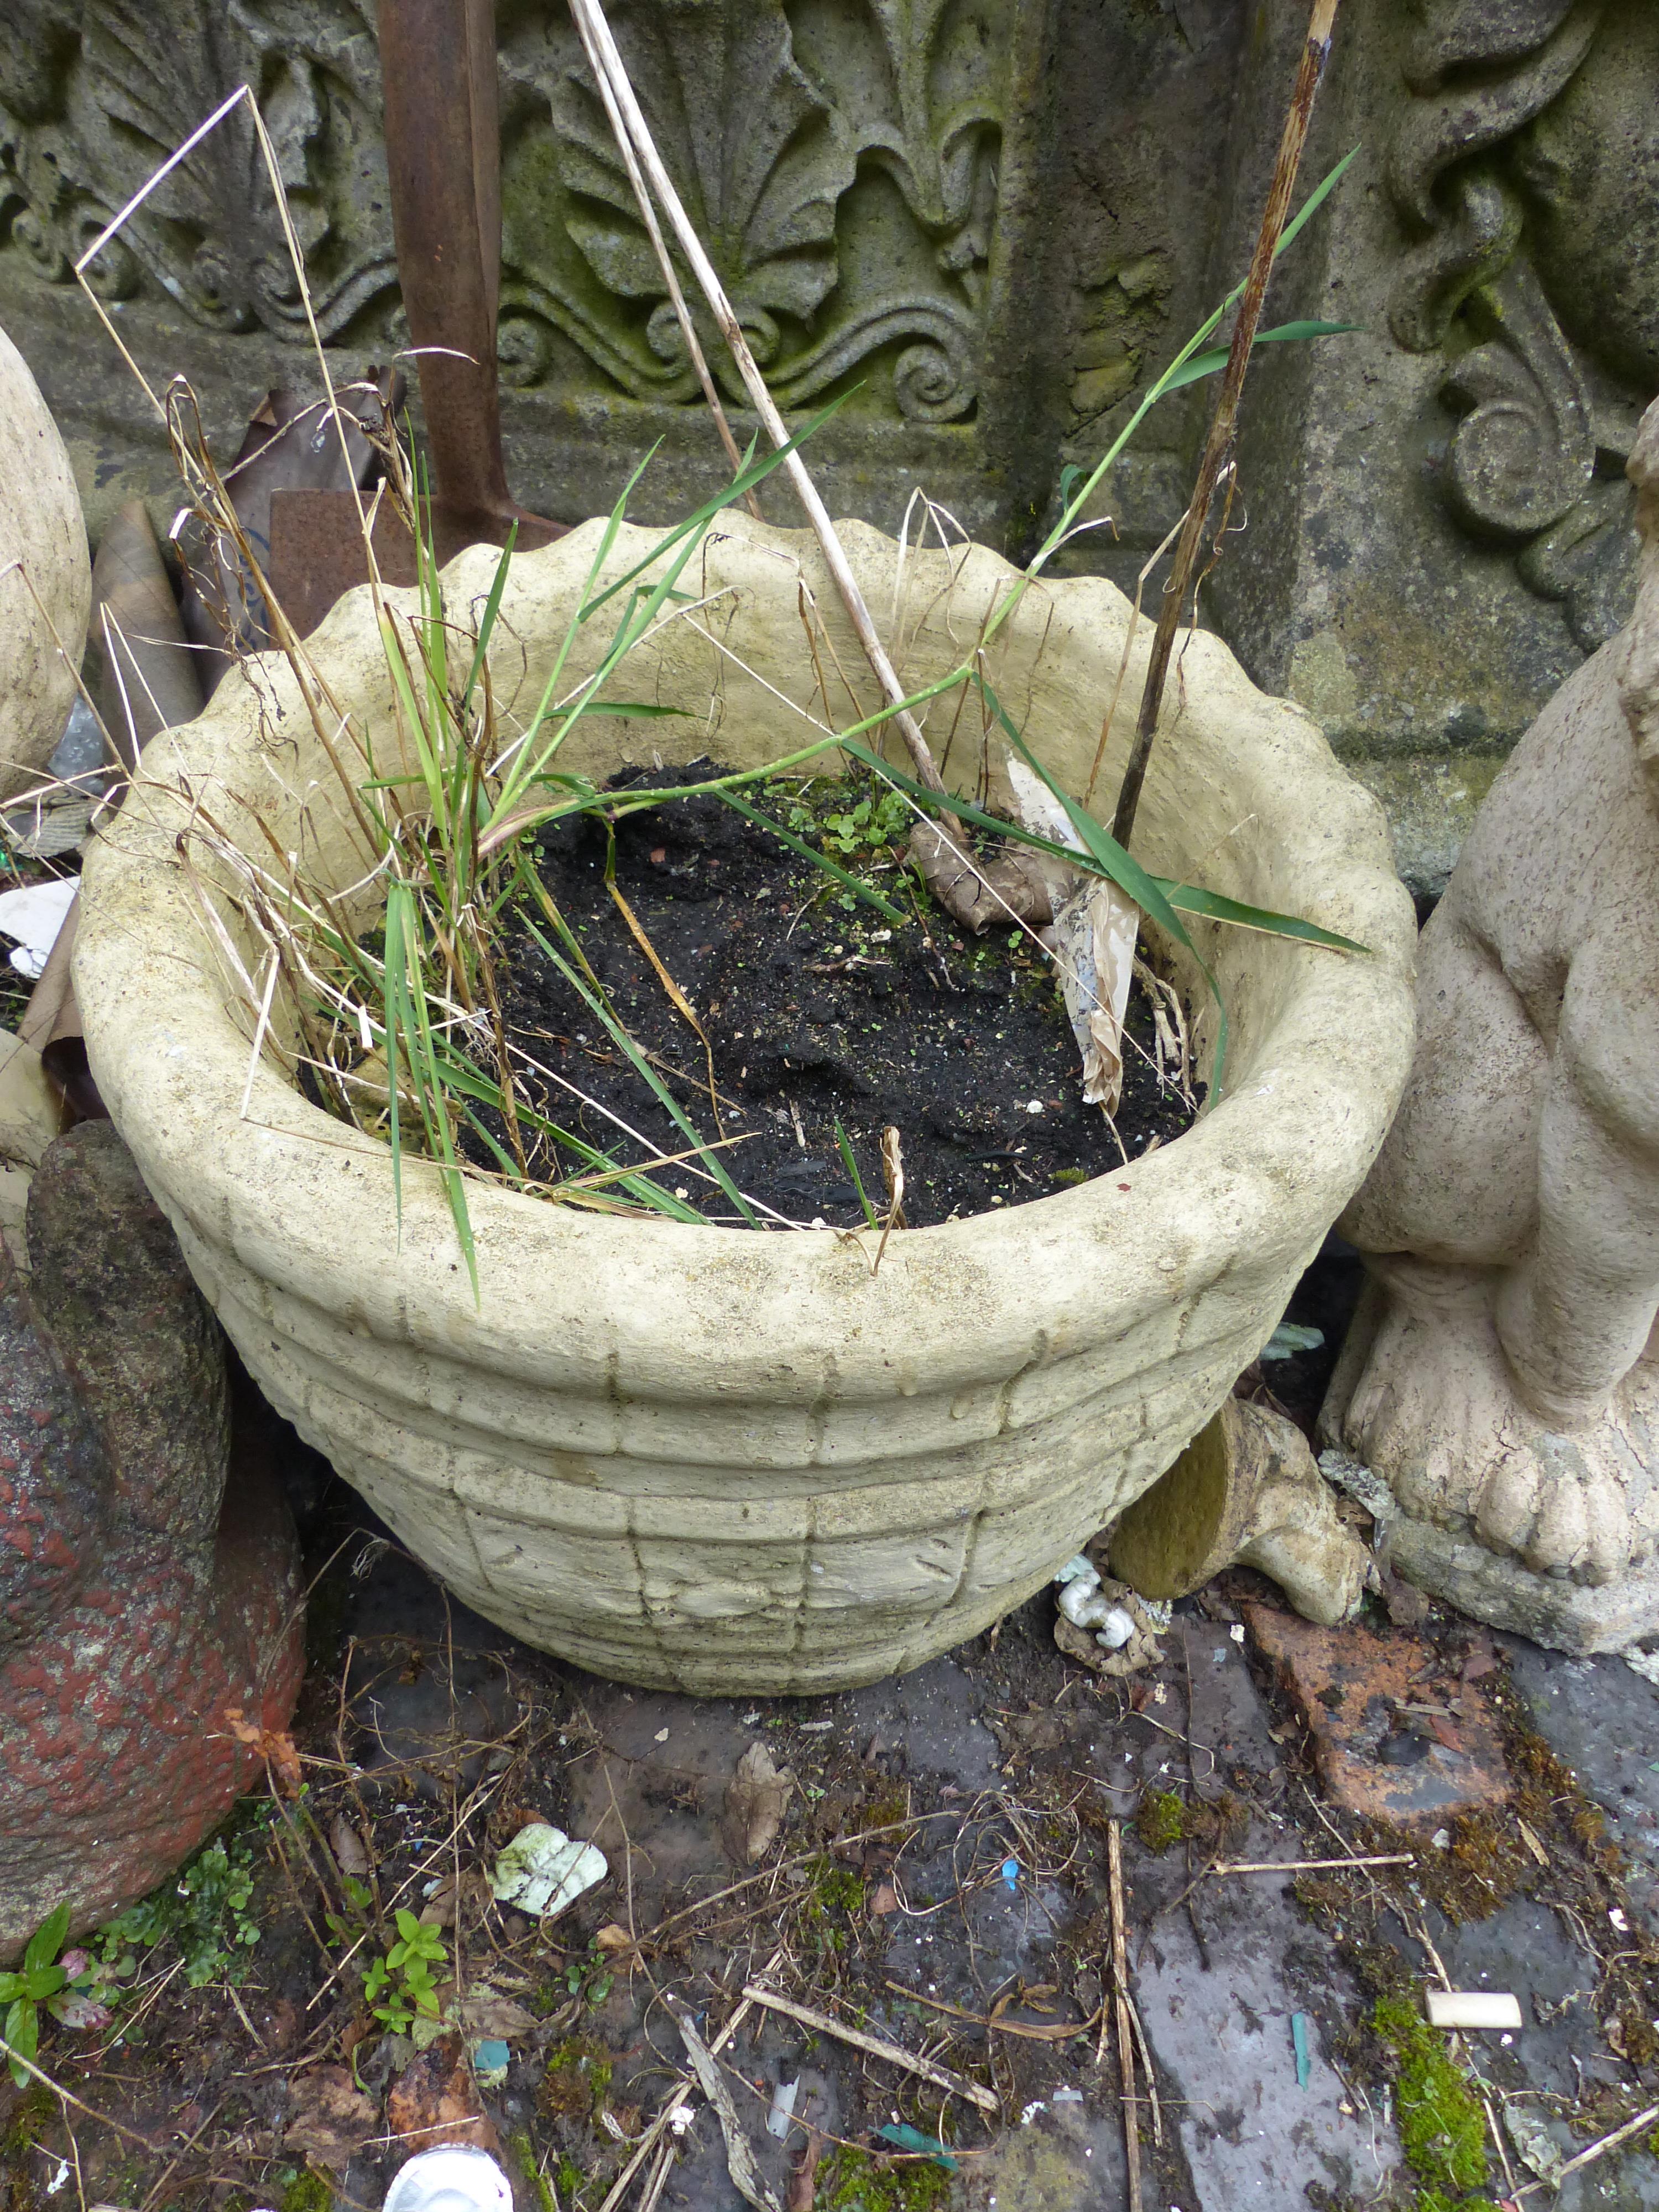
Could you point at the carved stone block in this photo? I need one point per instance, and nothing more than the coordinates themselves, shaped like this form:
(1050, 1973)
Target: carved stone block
(980, 227)
(1439, 524)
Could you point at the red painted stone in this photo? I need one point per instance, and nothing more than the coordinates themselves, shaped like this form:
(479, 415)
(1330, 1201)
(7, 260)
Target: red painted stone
(142, 1593)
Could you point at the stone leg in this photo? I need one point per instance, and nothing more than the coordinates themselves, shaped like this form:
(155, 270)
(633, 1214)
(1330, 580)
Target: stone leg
(1577, 1312)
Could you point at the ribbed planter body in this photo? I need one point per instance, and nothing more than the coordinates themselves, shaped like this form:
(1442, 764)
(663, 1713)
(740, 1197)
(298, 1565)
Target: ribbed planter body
(708, 1459)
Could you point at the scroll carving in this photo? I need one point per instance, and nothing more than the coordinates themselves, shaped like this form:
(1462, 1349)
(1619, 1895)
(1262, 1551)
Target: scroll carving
(1502, 98)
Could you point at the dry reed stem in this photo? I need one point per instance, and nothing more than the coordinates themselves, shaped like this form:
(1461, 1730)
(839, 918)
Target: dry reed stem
(940, 2076)
(596, 33)
(1126, 2060)
(1219, 445)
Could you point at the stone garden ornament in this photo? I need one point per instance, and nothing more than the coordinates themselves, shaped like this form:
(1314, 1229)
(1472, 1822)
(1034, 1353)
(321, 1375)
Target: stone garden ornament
(1502, 1376)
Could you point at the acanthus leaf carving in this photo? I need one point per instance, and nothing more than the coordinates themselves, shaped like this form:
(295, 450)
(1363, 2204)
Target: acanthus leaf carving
(782, 162)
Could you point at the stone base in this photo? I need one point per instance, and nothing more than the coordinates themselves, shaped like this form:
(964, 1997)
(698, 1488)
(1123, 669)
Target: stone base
(1565, 1615)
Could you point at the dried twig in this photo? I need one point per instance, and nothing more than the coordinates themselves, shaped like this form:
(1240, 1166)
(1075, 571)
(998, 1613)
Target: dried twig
(1596, 2150)
(1146, 2068)
(1061, 2032)
(1126, 2059)
(1217, 448)
(739, 2153)
(665, 259)
(1312, 1866)
(940, 2076)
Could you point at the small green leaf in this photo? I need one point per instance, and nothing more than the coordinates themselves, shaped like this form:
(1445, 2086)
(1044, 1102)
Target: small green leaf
(1206, 364)
(23, 2034)
(48, 1939)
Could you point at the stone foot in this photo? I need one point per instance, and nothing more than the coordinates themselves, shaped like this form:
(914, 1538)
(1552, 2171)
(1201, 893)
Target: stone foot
(1431, 1407)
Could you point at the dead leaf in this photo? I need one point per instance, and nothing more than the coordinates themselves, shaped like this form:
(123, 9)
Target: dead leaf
(756, 1798)
(1095, 925)
(433, 2101)
(884, 1901)
(329, 2119)
(614, 1937)
(1532, 1844)
(803, 2185)
(350, 1854)
(1406, 1605)
(486, 2012)
(274, 1745)
(439, 1911)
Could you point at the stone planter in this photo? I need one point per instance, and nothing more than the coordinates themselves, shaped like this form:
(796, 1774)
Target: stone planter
(715, 1461)
(40, 529)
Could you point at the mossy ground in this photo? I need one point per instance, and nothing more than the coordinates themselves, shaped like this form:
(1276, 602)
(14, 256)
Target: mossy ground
(851, 2180)
(1442, 2127)
(577, 2080)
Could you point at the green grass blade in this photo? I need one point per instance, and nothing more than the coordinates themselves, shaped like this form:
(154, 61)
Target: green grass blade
(870, 1214)
(392, 1004)
(425, 1074)
(1207, 363)
(462, 1076)
(1214, 906)
(753, 473)
(492, 610)
(618, 1030)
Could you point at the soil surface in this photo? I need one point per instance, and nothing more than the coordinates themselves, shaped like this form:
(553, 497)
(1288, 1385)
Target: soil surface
(818, 1010)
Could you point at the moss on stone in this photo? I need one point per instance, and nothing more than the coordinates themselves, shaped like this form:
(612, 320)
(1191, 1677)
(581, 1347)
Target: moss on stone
(524, 2154)
(1161, 1819)
(851, 2180)
(1442, 2129)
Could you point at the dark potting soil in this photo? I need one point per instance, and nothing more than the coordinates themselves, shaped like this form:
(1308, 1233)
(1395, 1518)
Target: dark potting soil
(818, 1010)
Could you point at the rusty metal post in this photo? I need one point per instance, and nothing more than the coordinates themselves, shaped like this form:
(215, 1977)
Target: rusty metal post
(443, 152)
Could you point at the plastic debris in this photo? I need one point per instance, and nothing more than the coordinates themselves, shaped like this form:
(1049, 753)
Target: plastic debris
(1300, 2045)
(543, 1870)
(903, 2136)
(1010, 1871)
(454, 2178)
(1068, 2097)
(34, 916)
(1085, 1605)
(490, 2060)
(1473, 2009)
(783, 2108)
(1290, 1338)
